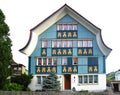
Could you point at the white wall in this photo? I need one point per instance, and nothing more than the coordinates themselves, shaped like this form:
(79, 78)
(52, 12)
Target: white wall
(101, 86)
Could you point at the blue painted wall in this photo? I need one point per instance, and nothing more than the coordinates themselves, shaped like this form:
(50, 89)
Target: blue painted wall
(50, 34)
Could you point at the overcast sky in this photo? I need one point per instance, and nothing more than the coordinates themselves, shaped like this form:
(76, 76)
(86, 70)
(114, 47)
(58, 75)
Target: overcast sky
(23, 15)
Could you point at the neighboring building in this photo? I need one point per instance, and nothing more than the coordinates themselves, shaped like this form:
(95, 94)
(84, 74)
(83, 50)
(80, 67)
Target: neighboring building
(71, 46)
(116, 83)
(18, 69)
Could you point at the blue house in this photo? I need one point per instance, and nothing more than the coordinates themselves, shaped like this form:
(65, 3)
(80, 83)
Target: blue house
(69, 45)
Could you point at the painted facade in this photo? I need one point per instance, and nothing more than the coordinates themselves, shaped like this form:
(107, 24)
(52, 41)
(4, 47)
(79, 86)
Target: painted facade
(71, 46)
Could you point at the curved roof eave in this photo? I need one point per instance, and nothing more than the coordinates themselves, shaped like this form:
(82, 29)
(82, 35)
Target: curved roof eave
(64, 10)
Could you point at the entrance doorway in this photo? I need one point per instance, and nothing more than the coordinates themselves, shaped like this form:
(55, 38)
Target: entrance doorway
(116, 87)
(67, 81)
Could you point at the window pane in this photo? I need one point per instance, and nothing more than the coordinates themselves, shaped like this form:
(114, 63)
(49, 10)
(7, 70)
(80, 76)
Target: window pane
(54, 44)
(43, 78)
(79, 43)
(75, 61)
(64, 61)
(15, 68)
(90, 78)
(74, 27)
(39, 79)
(69, 27)
(44, 43)
(85, 79)
(49, 61)
(65, 26)
(90, 44)
(64, 43)
(39, 61)
(59, 44)
(95, 78)
(69, 43)
(84, 43)
(80, 79)
(54, 61)
(44, 61)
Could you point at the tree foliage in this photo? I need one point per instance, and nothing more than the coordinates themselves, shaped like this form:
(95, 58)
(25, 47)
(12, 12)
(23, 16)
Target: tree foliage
(23, 80)
(5, 50)
(51, 82)
(12, 87)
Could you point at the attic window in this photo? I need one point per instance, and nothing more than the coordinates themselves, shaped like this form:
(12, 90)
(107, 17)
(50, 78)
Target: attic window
(67, 26)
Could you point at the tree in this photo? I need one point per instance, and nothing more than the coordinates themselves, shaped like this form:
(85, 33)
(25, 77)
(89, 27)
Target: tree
(23, 80)
(51, 82)
(5, 50)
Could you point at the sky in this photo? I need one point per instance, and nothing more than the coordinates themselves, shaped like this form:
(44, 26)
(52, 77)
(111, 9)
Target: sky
(23, 15)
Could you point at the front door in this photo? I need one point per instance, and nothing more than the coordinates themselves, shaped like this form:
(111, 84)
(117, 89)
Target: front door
(67, 81)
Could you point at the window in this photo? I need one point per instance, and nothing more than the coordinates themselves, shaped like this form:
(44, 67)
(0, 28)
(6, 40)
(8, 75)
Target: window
(85, 79)
(95, 78)
(54, 61)
(54, 43)
(64, 61)
(59, 43)
(74, 26)
(69, 43)
(64, 44)
(39, 61)
(79, 43)
(75, 61)
(85, 43)
(69, 26)
(88, 79)
(44, 61)
(49, 61)
(19, 68)
(39, 79)
(92, 64)
(80, 80)
(90, 44)
(44, 43)
(15, 68)
(43, 78)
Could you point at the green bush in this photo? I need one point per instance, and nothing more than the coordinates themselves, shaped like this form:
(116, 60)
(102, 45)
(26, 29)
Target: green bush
(12, 87)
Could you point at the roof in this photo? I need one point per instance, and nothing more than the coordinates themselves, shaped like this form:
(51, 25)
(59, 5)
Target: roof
(56, 16)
